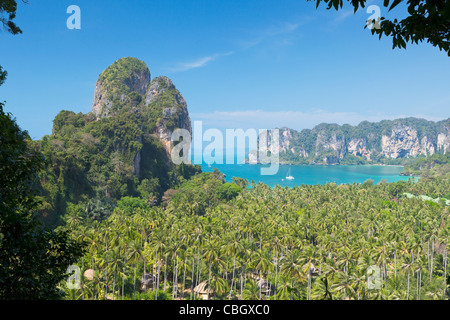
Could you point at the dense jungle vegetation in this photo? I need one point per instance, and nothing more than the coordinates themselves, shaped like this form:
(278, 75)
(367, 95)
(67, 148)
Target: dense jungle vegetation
(306, 242)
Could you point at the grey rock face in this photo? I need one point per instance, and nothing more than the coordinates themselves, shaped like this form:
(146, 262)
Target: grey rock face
(358, 147)
(329, 144)
(334, 143)
(443, 142)
(402, 143)
(117, 82)
(174, 113)
(127, 84)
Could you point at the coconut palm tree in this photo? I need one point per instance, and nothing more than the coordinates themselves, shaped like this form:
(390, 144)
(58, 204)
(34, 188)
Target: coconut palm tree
(134, 255)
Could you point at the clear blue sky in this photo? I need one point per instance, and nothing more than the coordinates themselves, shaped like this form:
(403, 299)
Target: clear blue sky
(239, 64)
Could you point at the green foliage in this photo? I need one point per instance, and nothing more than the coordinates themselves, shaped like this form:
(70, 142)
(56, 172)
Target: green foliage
(350, 159)
(202, 192)
(3, 75)
(19, 161)
(168, 97)
(316, 142)
(8, 10)
(130, 204)
(367, 184)
(228, 191)
(241, 182)
(97, 160)
(151, 295)
(116, 78)
(99, 208)
(33, 259)
(275, 233)
(436, 165)
(426, 20)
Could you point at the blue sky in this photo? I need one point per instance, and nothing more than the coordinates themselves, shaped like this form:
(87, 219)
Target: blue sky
(239, 64)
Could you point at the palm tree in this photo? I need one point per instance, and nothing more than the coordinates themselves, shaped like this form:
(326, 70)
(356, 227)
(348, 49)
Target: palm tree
(134, 255)
(291, 266)
(233, 246)
(251, 291)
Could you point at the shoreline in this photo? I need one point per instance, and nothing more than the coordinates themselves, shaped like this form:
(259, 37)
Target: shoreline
(330, 164)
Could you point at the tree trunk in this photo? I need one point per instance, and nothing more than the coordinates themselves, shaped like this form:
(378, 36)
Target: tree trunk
(407, 292)
(134, 283)
(157, 278)
(165, 273)
(431, 263)
(193, 273)
(175, 281)
(418, 285)
(209, 280)
(143, 258)
(276, 276)
(199, 258)
(114, 285)
(82, 282)
(309, 286)
(123, 277)
(106, 285)
(445, 265)
(232, 279)
(94, 291)
(184, 276)
(395, 262)
(226, 272)
(260, 287)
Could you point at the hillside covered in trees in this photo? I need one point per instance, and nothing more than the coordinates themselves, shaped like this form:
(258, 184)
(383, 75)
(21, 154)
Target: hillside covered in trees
(141, 227)
(101, 195)
(437, 165)
(119, 149)
(386, 142)
(306, 242)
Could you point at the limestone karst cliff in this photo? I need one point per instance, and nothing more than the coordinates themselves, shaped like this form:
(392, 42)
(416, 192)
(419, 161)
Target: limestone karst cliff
(380, 142)
(121, 148)
(120, 84)
(127, 85)
(171, 106)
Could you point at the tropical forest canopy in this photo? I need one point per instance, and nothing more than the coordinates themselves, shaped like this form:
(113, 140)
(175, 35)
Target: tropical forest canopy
(306, 242)
(139, 227)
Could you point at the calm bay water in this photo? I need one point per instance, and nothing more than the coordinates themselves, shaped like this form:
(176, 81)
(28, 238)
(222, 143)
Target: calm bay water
(303, 174)
(310, 174)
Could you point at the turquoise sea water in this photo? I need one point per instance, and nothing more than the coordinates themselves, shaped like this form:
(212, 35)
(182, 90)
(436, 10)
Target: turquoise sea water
(310, 174)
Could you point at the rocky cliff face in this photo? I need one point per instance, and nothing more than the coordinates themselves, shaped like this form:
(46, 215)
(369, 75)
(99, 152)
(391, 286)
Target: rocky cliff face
(443, 142)
(163, 96)
(285, 135)
(397, 139)
(404, 143)
(126, 86)
(334, 144)
(116, 84)
(358, 147)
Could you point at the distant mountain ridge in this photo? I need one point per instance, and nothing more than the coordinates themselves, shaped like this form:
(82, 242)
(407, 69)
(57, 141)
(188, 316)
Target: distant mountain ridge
(387, 141)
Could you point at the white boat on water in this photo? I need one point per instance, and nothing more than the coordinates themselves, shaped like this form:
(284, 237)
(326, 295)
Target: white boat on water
(289, 177)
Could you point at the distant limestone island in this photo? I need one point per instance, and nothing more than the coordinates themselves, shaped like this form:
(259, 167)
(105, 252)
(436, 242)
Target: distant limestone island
(388, 142)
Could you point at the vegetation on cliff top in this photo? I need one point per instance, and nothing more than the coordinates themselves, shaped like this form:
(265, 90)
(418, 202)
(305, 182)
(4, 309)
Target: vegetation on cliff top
(312, 141)
(117, 78)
